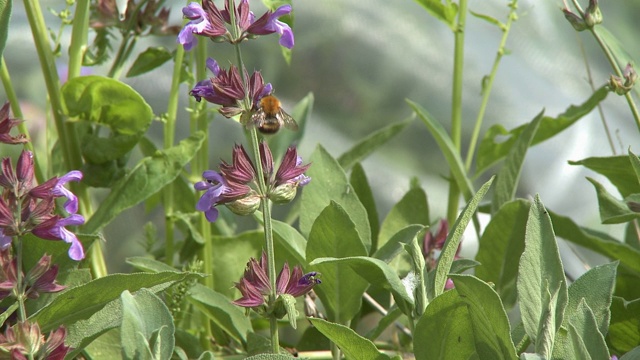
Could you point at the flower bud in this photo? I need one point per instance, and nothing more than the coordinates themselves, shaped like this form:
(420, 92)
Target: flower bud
(593, 15)
(623, 85)
(245, 206)
(575, 20)
(284, 193)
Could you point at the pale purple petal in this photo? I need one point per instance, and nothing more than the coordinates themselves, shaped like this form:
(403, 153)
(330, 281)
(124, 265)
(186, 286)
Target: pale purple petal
(5, 241)
(71, 206)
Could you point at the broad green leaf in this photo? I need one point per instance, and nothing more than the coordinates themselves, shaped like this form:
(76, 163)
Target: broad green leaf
(612, 210)
(334, 235)
(542, 288)
(492, 330)
(393, 247)
(377, 273)
(149, 265)
(383, 324)
(358, 181)
(329, 183)
(148, 60)
(445, 330)
(635, 164)
(371, 143)
(416, 282)
(301, 113)
(291, 240)
(5, 16)
(110, 103)
(269, 357)
(82, 301)
(627, 283)
(632, 355)
(584, 334)
(596, 288)
(500, 247)
(411, 209)
(624, 328)
(106, 346)
(596, 241)
(509, 174)
(617, 169)
(448, 149)
(34, 248)
(221, 311)
(493, 147)
(453, 240)
(148, 177)
(446, 12)
(227, 250)
(352, 345)
(143, 316)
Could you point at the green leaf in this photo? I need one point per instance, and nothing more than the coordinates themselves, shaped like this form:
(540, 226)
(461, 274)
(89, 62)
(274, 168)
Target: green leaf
(82, 301)
(584, 333)
(393, 247)
(334, 235)
(444, 330)
(5, 16)
(617, 169)
(612, 210)
(146, 318)
(330, 184)
(448, 149)
(453, 240)
(358, 181)
(148, 177)
(444, 12)
(596, 241)
(488, 317)
(111, 103)
(500, 247)
(226, 269)
(542, 288)
(596, 288)
(291, 240)
(268, 357)
(383, 324)
(148, 60)
(624, 329)
(509, 175)
(352, 345)
(411, 209)
(149, 265)
(632, 355)
(301, 113)
(377, 273)
(494, 147)
(635, 164)
(371, 143)
(489, 19)
(221, 311)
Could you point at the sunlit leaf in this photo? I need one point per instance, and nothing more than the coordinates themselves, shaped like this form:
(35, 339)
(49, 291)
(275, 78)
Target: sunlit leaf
(352, 345)
(612, 210)
(617, 169)
(5, 15)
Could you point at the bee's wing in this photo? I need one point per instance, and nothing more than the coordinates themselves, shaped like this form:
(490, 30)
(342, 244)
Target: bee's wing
(286, 120)
(257, 118)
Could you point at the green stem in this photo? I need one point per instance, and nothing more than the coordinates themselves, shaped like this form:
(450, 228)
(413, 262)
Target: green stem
(22, 312)
(616, 68)
(79, 37)
(17, 113)
(488, 85)
(456, 104)
(126, 46)
(169, 138)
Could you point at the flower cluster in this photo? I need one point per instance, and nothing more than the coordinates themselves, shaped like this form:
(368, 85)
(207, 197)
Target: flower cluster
(432, 247)
(25, 208)
(40, 279)
(228, 89)
(209, 21)
(254, 285)
(141, 18)
(236, 184)
(25, 341)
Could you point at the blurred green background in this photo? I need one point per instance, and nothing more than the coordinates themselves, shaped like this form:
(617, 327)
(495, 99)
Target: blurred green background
(362, 59)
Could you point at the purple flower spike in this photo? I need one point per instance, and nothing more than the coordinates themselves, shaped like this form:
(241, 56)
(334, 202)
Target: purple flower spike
(71, 206)
(54, 229)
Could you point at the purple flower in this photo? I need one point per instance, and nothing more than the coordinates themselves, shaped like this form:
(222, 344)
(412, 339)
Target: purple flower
(42, 278)
(269, 24)
(54, 229)
(5, 241)
(291, 169)
(59, 190)
(214, 184)
(206, 23)
(254, 285)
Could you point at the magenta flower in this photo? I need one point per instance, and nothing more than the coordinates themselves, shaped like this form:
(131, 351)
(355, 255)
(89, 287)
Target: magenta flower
(6, 124)
(54, 229)
(71, 206)
(25, 340)
(254, 285)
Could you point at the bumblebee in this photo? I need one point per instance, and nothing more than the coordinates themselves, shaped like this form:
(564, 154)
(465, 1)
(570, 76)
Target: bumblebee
(270, 117)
